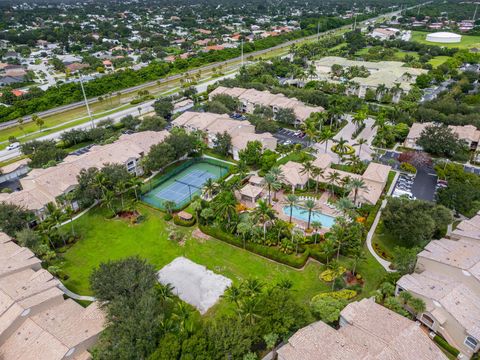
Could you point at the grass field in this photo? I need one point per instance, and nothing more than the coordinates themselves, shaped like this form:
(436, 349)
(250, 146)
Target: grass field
(438, 60)
(108, 239)
(468, 41)
(384, 241)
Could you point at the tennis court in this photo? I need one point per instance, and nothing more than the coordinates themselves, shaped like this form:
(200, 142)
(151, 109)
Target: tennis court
(183, 185)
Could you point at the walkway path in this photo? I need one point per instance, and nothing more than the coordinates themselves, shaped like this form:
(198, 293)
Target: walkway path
(73, 295)
(386, 264)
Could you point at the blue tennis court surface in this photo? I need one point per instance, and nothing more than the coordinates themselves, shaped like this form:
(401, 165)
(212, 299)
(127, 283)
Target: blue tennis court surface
(185, 186)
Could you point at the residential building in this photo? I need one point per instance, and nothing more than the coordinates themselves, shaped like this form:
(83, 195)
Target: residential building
(14, 170)
(36, 323)
(468, 229)
(469, 133)
(42, 186)
(212, 124)
(367, 331)
(240, 142)
(252, 97)
(447, 279)
(393, 75)
(375, 178)
(384, 33)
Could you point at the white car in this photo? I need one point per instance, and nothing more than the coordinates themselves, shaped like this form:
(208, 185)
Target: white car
(13, 146)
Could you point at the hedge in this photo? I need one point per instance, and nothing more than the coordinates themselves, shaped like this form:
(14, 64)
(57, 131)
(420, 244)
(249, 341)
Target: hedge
(316, 253)
(266, 251)
(445, 345)
(181, 222)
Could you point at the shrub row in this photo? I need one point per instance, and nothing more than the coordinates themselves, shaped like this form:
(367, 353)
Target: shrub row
(181, 222)
(445, 345)
(266, 251)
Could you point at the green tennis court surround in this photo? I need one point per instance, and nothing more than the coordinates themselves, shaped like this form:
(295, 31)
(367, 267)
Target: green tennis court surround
(182, 183)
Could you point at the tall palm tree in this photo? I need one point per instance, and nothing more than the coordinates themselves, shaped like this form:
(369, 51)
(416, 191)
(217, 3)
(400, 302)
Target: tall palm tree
(316, 225)
(317, 172)
(356, 163)
(263, 214)
(359, 118)
(310, 205)
(209, 188)
(233, 294)
(270, 180)
(344, 205)
(291, 200)
(335, 267)
(134, 183)
(312, 71)
(244, 228)
(333, 179)
(169, 205)
(360, 143)
(325, 136)
(307, 168)
(328, 248)
(297, 234)
(70, 212)
(357, 184)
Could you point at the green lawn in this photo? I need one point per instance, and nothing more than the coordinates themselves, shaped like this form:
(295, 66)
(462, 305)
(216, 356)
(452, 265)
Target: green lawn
(438, 60)
(467, 42)
(104, 240)
(296, 156)
(108, 239)
(383, 241)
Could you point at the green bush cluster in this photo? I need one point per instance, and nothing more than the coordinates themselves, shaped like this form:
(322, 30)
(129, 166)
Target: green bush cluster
(181, 222)
(445, 345)
(408, 167)
(167, 217)
(266, 251)
(345, 294)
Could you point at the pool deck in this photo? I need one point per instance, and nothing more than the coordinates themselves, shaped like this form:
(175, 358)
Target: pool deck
(321, 204)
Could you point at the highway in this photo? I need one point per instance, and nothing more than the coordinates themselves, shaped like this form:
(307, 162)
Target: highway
(147, 106)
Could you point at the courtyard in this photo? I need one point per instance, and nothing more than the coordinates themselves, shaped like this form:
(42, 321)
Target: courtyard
(105, 239)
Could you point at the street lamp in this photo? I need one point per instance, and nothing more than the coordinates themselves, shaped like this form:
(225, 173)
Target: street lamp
(86, 101)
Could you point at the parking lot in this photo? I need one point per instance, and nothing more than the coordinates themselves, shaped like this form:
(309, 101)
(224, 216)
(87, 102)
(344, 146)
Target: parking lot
(287, 137)
(422, 186)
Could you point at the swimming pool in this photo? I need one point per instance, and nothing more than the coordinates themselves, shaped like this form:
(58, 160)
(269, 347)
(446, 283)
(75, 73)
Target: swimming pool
(300, 213)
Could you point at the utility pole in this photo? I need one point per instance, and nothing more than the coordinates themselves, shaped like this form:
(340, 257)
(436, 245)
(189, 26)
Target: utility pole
(86, 101)
(355, 23)
(318, 30)
(475, 13)
(242, 51)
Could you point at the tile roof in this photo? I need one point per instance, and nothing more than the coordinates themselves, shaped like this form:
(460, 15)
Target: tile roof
(461, 254)
(469, 228)
(265, 98)
(42, 186)
(361, 337)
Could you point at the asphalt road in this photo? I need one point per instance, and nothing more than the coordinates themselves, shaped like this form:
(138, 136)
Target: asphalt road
(143, 108)
(193, 71)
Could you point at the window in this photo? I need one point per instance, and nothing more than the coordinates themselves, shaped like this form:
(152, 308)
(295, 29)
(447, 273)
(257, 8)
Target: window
(471, 342)
(427, 320)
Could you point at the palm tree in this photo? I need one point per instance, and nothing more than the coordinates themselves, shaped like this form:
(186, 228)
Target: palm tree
(307, 168)
(242, 168)
(335, 267)
(316, 225)
(197, 206)
(134, 183)
(70, 212)
(269, 181)
(328, 248)
(341, 146)
(333, 178)
(316, 173)
(209, 188)
(357, 255)
(381, 89)
(344, 205)
(244, 229)
(312, 71)
(233, 294)
(356, 163)
(169, 205)
(263, 214)
(357, 184)
(325, 136)
(359, 118)
(297, 234)
(310, 205)
(226, 207)
(165, 292)
(292, 200)
(360, 143)
(252, 287)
